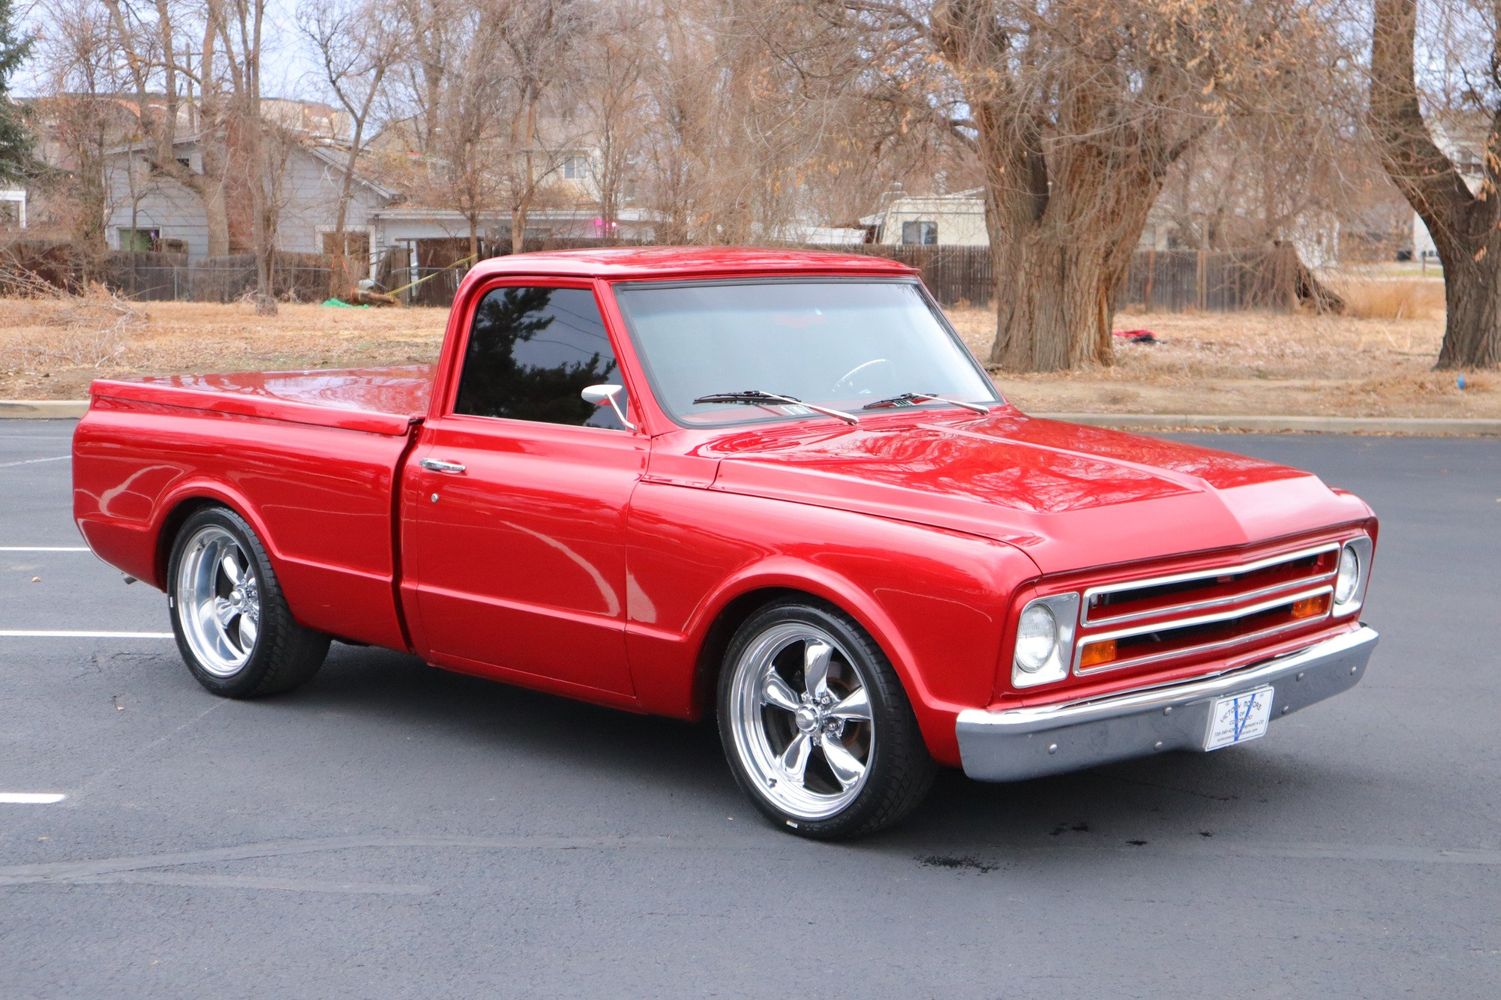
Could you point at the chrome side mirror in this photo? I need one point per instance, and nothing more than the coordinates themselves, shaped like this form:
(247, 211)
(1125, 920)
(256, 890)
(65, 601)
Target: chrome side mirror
(598, 394)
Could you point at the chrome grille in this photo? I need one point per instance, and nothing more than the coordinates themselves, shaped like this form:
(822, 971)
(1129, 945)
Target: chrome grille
(1181, 615)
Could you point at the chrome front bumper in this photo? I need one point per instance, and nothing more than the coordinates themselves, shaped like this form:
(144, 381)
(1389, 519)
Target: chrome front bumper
(1048, 739)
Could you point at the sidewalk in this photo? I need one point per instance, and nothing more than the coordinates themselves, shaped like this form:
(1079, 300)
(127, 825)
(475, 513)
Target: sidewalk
(58, 409)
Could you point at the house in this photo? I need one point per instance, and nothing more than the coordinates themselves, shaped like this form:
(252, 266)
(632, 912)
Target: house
(148, 210)
(956, 220)
(71, 129)
(421, 239)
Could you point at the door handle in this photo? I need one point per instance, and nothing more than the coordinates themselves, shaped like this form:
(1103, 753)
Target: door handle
(434, 465)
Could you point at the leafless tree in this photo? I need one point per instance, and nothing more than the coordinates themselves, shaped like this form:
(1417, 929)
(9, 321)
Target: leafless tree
(616, 56)
(538, 36)
(476, 88)
(170, 49)
(1075, 111)
(358, 42)
(750, 135)
(434, 30)
(1463, 218)
(465, 125)
(81, 118)
(239, 26)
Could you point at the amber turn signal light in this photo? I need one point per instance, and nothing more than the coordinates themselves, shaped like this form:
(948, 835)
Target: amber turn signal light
(1096, 653)
(1311, 607)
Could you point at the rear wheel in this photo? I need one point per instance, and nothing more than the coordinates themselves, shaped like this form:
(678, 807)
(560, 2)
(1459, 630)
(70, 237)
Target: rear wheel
(232, 624)
(816, 727)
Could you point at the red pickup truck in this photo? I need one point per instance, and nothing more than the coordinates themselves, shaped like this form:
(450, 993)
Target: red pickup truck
(767, 486)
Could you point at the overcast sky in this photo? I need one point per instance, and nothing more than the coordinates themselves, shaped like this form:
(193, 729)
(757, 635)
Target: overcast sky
(288, 70)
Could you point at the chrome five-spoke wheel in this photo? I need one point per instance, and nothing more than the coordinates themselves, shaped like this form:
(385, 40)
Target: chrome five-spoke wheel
(801, 720)
(815, 724)
(220, 601)
(231, 619)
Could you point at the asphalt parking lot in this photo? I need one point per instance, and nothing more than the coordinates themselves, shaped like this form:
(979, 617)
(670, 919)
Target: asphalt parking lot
(396, 831)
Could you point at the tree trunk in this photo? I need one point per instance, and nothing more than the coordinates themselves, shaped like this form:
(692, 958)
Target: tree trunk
(1053, 308)
(339, 283)
(215, 213)
(522, 197)
(1472, 324)
(1463, 224)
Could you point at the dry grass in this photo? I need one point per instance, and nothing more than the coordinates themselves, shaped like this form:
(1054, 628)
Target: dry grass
(1238, 363)
(36, 361)
(58, 331)
(1392, 298)
(1258, 363)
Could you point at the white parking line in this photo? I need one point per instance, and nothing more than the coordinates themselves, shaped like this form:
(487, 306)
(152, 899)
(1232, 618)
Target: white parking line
(21, 633)
(44, 548)
(30, 798)
(34, 461)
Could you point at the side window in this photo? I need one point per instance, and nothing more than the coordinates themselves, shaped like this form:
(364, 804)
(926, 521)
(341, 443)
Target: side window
(531, 351)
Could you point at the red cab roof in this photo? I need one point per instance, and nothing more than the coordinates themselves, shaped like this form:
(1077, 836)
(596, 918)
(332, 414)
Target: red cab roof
(620, 263)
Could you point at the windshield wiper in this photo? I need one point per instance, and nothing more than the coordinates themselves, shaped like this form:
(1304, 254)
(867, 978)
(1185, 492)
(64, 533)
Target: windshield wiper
(908, 398)
(759, 397)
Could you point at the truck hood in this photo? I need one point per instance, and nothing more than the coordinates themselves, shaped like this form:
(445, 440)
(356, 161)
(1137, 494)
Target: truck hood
(1069, 496)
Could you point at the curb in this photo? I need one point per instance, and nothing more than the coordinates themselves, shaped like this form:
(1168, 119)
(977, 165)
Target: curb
(67, 409)
(1397, 426)
(43, 409)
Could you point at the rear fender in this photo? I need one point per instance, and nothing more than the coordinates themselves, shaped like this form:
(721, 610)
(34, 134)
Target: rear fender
(202, 490)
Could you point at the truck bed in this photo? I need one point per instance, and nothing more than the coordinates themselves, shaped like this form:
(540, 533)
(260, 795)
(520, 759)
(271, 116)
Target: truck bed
(316, 456)
(375, 400)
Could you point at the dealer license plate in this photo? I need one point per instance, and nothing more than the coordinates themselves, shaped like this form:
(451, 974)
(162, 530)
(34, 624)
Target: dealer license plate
(1238, 718)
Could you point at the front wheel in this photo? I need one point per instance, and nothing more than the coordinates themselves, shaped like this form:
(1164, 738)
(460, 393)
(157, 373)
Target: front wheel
(815, 725)
(232, 624)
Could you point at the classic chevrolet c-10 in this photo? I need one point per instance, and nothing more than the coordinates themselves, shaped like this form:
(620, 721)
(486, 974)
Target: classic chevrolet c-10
(770, 487)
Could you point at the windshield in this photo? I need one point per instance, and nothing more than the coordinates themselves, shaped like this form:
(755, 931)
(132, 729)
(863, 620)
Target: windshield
(839, 343)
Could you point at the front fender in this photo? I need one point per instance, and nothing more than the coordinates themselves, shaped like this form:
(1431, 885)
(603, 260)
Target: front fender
(934, 600)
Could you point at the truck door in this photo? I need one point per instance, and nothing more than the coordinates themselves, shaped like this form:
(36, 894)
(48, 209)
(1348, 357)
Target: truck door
(515, 501)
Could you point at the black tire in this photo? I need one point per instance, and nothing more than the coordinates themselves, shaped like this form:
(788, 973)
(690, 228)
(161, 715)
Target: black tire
(898, 770)
(281, 653)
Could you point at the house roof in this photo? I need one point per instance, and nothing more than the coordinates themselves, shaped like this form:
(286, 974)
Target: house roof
(328, 156)
(972, 200)
(427, 213)
(321, 153)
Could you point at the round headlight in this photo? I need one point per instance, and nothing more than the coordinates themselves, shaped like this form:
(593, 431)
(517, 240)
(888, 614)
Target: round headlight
(1036, 637)
(1348, 577)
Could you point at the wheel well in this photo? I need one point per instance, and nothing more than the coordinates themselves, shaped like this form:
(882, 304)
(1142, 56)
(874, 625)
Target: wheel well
(717, 640)
(170, 526)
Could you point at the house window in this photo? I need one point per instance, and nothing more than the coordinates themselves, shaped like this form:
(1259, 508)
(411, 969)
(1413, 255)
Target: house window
(920, 233)
(139, 240)
(576, 168)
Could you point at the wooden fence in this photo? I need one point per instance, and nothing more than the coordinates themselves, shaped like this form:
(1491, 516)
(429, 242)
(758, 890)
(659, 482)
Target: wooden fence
(1169, 281)
(164, 277)
(1161, 280)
